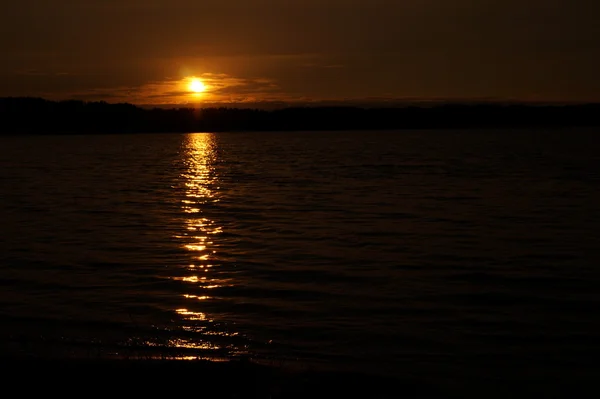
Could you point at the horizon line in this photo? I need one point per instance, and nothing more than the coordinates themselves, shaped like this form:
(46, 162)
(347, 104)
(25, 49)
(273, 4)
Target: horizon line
(357, 103)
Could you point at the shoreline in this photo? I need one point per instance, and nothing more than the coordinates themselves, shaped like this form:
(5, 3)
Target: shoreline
(77, 117)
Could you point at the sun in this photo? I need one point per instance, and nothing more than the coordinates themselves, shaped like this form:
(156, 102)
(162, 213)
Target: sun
(196, 85)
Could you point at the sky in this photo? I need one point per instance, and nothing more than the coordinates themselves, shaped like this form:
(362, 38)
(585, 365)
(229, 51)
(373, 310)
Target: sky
(147, 51)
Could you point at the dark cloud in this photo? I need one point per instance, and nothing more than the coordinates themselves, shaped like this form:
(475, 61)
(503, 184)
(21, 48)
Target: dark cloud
(220, 88)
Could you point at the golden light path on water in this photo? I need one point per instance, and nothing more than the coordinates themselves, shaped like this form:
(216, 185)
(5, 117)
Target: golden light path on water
(197, 237)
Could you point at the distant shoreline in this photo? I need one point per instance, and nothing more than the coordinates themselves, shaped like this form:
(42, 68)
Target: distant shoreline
(38, 116)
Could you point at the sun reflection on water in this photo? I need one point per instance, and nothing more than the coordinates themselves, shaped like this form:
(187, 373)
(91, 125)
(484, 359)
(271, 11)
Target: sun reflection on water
(192, 315)
(197, 237)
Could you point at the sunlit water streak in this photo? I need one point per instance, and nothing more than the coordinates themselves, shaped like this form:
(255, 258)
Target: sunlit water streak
(382, 252)
(198, 232)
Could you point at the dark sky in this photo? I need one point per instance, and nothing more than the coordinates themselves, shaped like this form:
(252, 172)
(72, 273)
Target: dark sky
(144, 51)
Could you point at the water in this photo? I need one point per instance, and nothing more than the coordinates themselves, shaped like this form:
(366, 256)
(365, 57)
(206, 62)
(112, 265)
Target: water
(381, 252)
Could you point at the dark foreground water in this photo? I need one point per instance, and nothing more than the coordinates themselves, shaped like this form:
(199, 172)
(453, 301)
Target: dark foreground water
(382, 252)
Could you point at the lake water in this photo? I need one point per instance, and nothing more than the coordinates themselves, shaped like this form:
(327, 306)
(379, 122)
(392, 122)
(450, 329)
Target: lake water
(381, 252)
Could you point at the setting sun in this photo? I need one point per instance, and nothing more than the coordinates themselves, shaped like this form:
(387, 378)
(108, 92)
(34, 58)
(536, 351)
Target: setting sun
(197, 86)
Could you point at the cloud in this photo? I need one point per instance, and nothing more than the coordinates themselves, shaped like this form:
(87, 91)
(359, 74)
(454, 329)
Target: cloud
(220, 88)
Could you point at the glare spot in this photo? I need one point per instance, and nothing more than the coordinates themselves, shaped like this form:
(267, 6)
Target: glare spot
(196, 85)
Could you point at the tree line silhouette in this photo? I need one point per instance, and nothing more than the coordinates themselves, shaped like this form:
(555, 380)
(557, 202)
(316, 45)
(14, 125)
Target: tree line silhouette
(39, 116)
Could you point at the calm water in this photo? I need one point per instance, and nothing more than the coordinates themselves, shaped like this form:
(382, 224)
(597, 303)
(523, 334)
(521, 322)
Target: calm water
(387, 252)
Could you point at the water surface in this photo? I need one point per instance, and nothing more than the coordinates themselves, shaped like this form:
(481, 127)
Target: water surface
(386, 252)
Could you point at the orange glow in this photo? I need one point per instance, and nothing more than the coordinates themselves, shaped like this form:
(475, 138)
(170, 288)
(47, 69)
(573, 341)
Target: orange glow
(197, 236)
(196, 85)
(198, 297)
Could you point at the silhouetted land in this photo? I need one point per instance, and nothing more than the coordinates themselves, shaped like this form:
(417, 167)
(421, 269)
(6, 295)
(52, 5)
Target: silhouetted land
(35, 115)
